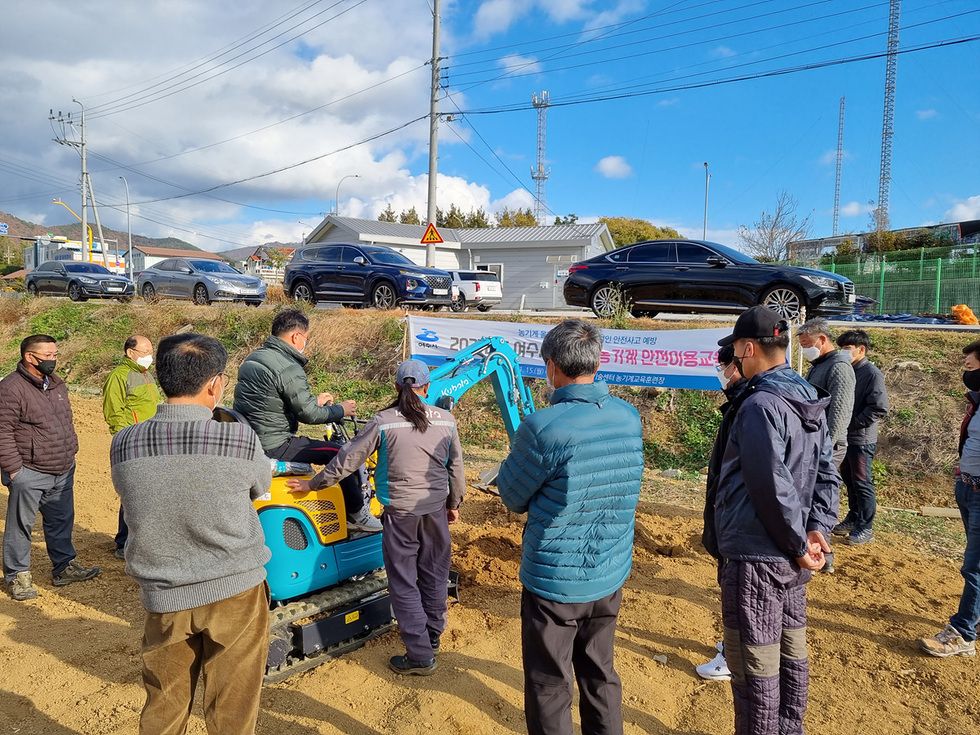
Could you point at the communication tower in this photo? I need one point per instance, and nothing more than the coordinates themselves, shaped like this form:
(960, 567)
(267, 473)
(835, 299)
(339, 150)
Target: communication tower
(888, 125)
(539, 173)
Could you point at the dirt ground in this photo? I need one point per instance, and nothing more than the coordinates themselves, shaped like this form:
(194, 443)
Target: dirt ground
(71, 661)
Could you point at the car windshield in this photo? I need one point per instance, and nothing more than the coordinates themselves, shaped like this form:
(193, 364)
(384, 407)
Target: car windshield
(388, 256)
(732, 254)
(87, 268)
(211, 266)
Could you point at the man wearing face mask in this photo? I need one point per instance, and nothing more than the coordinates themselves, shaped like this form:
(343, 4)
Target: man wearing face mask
(870, 406)
(129, 395)
(274, 395)
(959, 637)
(832, 372)
(732, 383)
(37, 464)
(775, 505)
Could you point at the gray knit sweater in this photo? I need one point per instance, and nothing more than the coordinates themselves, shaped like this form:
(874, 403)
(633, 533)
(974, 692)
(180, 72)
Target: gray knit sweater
(834, 374)
(187, 484)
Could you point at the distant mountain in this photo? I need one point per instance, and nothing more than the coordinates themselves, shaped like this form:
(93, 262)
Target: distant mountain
(17, 227)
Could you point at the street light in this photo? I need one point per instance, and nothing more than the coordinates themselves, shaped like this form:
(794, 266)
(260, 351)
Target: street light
(337, 196)
(129, 228)
(58, 201)
(300, 222)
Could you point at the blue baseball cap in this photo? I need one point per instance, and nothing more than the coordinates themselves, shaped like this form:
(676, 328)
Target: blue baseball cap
(415, 369)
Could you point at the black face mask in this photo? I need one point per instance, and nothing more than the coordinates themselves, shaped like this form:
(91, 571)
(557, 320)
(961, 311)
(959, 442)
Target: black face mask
(971, 379)
(46, 367)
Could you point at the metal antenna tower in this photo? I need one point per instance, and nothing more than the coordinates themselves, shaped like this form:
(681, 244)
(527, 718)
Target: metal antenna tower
(538, 173)
(888, 125)
(840, 157)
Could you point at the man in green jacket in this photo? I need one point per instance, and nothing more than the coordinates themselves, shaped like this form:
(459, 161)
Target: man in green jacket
(274, 395)
(129, 395)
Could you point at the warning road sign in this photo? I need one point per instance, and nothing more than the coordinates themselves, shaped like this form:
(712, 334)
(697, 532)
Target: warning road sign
(431, 235)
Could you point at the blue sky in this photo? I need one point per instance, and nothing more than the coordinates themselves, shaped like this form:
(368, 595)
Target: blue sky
(189, 96)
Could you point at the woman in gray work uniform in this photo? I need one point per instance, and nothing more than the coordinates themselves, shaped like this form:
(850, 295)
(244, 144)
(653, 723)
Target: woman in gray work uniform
(419, 479)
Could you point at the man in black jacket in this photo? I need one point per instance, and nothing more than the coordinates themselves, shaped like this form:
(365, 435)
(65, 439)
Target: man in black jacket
(776, 501)
(870, 406)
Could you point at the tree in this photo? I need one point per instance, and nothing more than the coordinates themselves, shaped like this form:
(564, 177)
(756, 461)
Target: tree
(627, 230)
(516, 218)
(276, 257)
(570, 219)
(455, 217)
(409, 217)
(388, 215)
(769, 238)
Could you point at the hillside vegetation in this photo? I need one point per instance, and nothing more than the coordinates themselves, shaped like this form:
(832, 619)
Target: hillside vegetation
(353, 354)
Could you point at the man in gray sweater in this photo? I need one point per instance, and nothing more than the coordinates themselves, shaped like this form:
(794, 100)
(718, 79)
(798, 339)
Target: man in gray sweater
(832, 372)
(195, 546)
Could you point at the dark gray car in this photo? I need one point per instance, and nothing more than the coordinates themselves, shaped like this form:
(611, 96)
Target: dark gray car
(77, 280)
(199, 280)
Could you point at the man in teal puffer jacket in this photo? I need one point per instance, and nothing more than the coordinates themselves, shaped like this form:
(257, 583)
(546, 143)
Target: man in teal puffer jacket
(575, 469)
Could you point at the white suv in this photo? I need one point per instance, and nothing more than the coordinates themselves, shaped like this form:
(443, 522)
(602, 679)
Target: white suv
(476, 288)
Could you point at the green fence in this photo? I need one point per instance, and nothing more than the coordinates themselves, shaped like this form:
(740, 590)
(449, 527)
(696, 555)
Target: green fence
(906, 282)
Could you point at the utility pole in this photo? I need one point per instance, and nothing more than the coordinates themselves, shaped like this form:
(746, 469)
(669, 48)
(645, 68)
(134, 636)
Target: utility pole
(840, 158)
(129, 229)
(430, 248)
(707, 178)
(888, 123)
(538, 173)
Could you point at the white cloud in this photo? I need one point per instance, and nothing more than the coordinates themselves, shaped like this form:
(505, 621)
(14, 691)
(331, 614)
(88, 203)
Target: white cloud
(614, 167)
(496, 16)
(925, 114)
(854, 209)
(515, 64)
(668, 102)
(724, 52)
(830, 157)
(965, 210)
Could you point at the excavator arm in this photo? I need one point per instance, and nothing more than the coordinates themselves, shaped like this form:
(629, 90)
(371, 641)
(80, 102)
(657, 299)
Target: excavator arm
(490, 358)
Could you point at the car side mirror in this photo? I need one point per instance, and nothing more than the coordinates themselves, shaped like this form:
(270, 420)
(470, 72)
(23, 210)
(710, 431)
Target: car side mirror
(360, 260)
(717, 262)
(186, 271)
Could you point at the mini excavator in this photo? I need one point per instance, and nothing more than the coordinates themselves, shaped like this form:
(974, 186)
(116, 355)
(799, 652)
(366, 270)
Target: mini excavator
(328, 585)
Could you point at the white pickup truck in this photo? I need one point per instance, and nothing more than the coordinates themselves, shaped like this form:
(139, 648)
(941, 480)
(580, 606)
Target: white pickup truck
(476, 288)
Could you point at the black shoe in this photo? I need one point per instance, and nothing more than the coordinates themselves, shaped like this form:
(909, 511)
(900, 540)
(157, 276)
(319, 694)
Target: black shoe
(860, 538)
(75, 572)
(434, 641)
(843, 528)
(405, 665)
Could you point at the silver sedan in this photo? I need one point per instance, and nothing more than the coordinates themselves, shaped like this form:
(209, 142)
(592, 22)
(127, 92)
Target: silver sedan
(199, 280)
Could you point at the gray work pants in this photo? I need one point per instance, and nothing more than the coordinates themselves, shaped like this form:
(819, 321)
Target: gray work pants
(562, 638)
(32, 491)
(416, 553)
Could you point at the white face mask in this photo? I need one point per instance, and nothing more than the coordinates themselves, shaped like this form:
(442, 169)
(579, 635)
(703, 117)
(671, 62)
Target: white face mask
(722, 378)
(145, 361)
(848, 355)
(810, 353)
(217, 399)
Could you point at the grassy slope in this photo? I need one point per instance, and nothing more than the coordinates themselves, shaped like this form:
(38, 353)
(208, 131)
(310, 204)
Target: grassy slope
(353, 355)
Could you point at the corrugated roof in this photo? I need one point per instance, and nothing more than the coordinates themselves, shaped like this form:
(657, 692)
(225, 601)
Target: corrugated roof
(557, 233)
(176, 253)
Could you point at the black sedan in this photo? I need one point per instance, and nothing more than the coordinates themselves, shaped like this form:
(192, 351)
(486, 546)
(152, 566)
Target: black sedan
(359, 275)
(693, 276)
(78, 280)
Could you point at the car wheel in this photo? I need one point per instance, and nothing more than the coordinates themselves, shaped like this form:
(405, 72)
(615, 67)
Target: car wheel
(784, 300)
(383, 296)
(201, 295)
(606, 301)
(149, 293)
(459, 304)
(32, 289)
(75, 292)
(484, 307)
(302, 291)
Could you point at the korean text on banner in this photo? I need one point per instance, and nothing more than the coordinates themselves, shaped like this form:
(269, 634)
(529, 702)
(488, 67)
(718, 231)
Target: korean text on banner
(682, 358)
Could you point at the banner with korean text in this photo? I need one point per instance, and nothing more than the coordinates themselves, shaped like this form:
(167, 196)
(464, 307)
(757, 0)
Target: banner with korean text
(682, 358)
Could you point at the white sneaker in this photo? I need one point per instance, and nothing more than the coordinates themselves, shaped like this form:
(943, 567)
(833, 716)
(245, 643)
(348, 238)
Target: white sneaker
(716, 669)
(363, 521)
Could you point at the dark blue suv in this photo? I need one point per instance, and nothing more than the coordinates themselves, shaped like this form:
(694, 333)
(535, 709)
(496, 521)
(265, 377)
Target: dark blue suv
(359, 275)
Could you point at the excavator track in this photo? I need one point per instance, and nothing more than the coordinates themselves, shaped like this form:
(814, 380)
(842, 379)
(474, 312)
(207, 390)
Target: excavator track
(306, 632)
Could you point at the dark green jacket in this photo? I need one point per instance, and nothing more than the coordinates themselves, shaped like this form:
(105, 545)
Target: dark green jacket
(274, 395)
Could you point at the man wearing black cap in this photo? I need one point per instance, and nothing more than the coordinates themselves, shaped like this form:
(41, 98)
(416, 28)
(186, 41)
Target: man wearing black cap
(776, 503)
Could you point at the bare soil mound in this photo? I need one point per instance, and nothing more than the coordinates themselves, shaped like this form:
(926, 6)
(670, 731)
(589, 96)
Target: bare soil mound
(71, 657)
